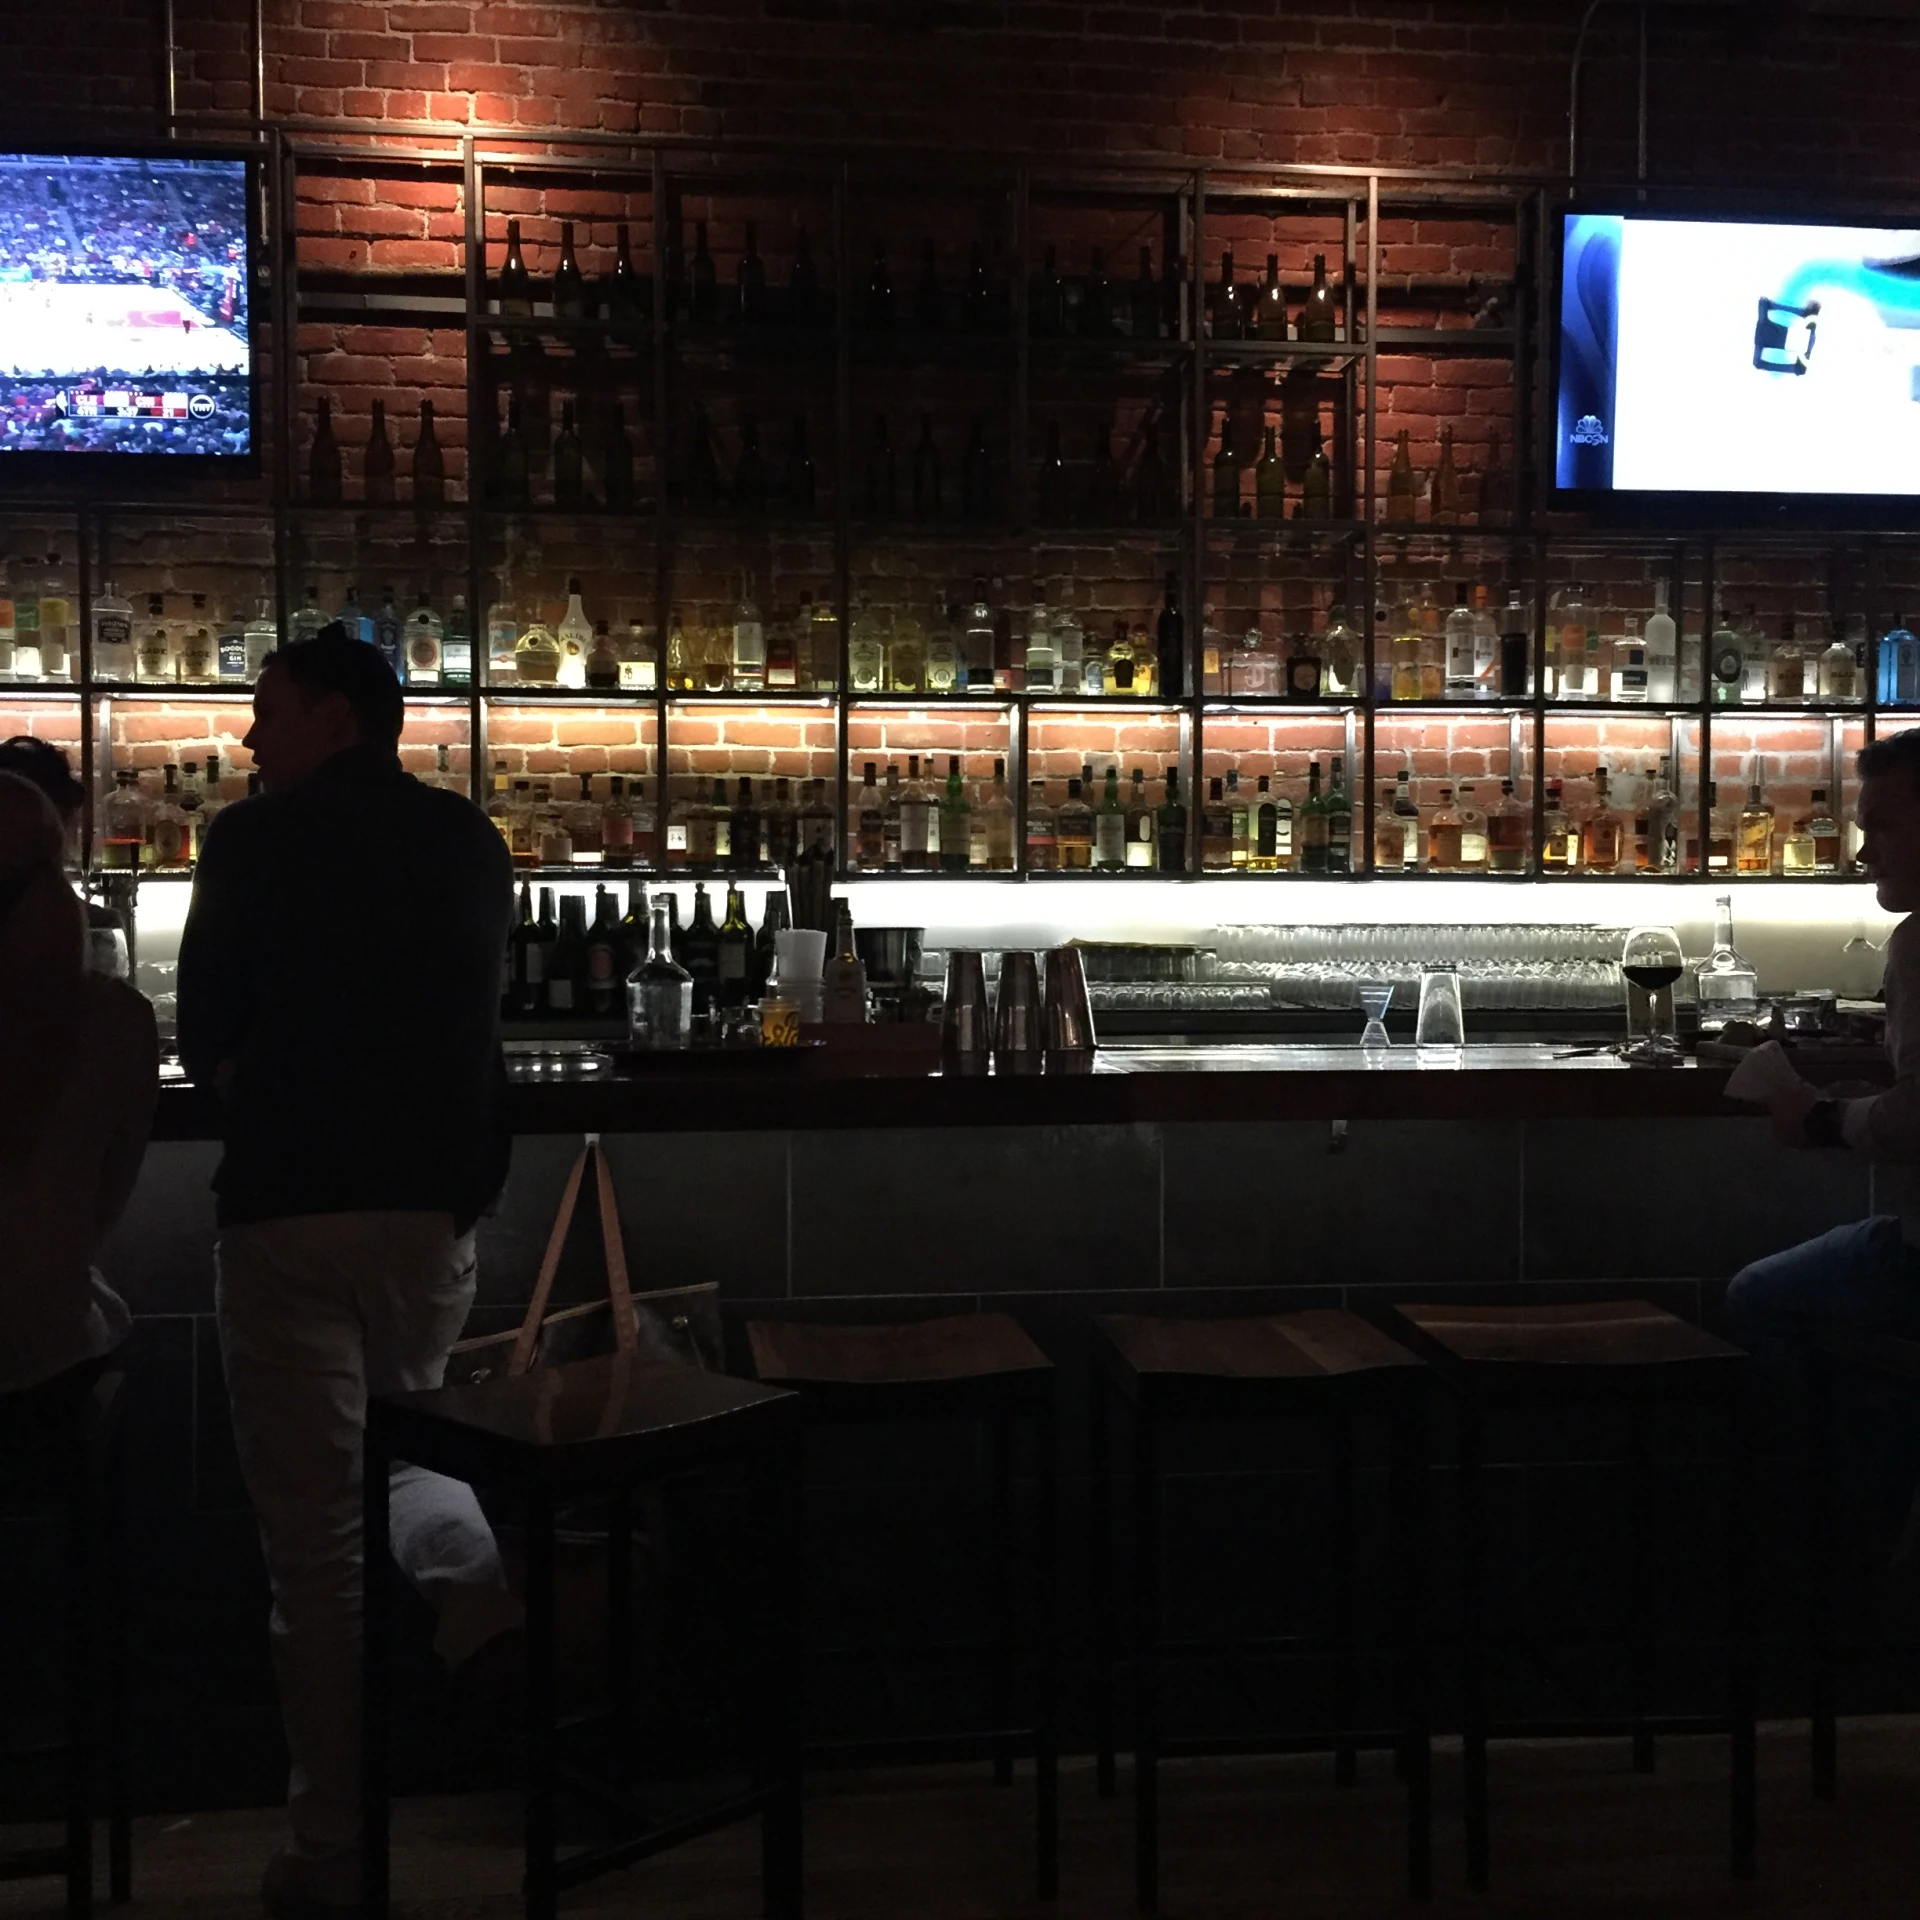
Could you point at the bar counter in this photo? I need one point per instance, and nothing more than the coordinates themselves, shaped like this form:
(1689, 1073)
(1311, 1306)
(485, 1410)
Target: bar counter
(1128, 1085)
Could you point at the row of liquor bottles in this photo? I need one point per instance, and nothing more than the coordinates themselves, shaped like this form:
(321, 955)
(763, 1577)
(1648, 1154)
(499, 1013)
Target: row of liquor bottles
(1153, 306)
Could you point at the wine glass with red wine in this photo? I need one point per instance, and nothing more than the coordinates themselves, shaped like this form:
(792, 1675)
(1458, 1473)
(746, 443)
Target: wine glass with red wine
(1651, 964)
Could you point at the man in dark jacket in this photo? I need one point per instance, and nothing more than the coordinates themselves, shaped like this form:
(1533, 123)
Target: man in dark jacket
(340, 986)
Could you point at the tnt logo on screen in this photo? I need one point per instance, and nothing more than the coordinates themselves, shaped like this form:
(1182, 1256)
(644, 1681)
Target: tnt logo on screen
(120, 404)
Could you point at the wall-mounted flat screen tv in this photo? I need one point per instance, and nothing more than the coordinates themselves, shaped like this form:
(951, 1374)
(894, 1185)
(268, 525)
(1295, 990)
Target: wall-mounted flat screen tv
(124, 326)
(1741, 359)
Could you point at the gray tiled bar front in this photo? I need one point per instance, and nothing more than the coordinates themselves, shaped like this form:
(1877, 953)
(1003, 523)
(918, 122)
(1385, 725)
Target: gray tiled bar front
(1011, 1209)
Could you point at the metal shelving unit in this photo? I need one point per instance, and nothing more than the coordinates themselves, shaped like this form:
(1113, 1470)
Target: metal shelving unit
(1181, 206)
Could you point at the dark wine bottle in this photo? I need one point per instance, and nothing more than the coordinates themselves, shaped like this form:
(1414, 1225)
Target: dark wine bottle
(976, 475)
(929, 301)
(429, 464)
(569, 488)
(735, 955)
(1170, 641)
(743, 830)
(699, 950)
(1050, 490)
(803, 284)
(623, 285)
(751, 282)
(569, 284)
(976, 300)
(616, 461)
(749, 472)
(567, 959)
(510, 459)
(323, 459)
(765, 949)
(880, 289)
(515, 287)
(882, 500)
(703, 466)
(377, 469)
(926, 473)
(799, 485)
(604, 974)
(702, 291)
(1103, 485)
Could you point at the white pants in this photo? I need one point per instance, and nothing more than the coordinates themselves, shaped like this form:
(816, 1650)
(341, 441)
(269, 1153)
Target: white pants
(315, 1313)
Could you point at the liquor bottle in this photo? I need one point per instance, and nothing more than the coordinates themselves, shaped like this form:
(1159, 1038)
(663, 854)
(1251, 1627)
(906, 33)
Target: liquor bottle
(1496, 485)
(636, 667)
(1073, 831)
(1269, 483)
(323, 459)
(919, 839)
(536, 655)
(569, 463)
(701, 477)
(1507, 834)
(779, 826)
(774, 921)
(882, 498)
(512, 487)
(1143, 313)
(1050, 501)
(1407, 815)
(703, 296)
(926, 473)
(1096, 662)
(1631, 677)
(866, 652)
(700, 952)
(1404, 652)
(1313, 825)
(1444, 505)
(750, 282)
(424, 645)
(880, 290)
(1041, 660)
(955, 817)
(1727, 661)
(1067, 643)
(1755, 852)
(1047, 304)
(602, 971)
(803, 285)
(1838, 673)
(740, 848)
(196, 657)
(113, 658)
(1170, 826)
(1238, 828)
(230, 647)
(1155, 496)
(376, 468)
(358, 623)
(1462, 682)
(749, 661)
(1170, 643)
(1226, 475)
(1897, 666)
(1754, 658)
(1270, 305)
(1787, 668)
(1320, 315)
(1663, 678)
(1603, 832)
(1570, 645)
(1119, 672)
(1103, 483)
(844, 979)
(976, 293)
(659, 989)
(574, 637)
(1443, 835)
(523, 843)
(601, 668)
(823, 646)
(1663, 822)
(1725, 984)
(1216, 829)
(123, 823)
(1723, 833)
(1263, 828)
(734, 953)
(783, 657)
(1475, 838)
(169, 838)
(1559, 844)
(1403, 486)
(1796, 846)
(303, 623)
(1316, 484)
(513, 291)
(999, 820)
(59, 641)
(1302, 673)
(1110, 826)
(976, 475)
(1142, 827)
(1228, 321)
(1389, 838)
(798, 485)
(616, 824)
(551, 828)
(1042, 850)
(1824, 830)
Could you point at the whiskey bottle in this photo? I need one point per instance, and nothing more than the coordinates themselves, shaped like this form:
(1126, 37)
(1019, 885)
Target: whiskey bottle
(1269, 483)
(1226, 475)
(1270, 309)
(1602, 833)
(1787, 668)
(1475, 847)
(602, 666)
(323, 459)
(1824, 830)
(513, 291)
(584, 825)
(376, 468)
(1110, 826)
(1444, 835)
(1320, 316)
(1142, 827)
(1723, 830)
(823, 646)
(956, 821)
(1796, 846)
(1339, 821)
(1216, 829)
(1403, 486)
(1073, 831)
(866, 652)
(1042, 852)
(1755, 855)
(1389, 835)
(1559, 844)
(1170, 826)
(869, 825)
(1408, 816)
(1507, 834)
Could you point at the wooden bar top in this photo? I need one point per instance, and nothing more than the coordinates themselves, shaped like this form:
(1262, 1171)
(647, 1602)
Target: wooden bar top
(1130, 1085)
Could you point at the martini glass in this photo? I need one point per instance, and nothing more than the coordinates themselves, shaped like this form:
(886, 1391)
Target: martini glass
(1376, 996)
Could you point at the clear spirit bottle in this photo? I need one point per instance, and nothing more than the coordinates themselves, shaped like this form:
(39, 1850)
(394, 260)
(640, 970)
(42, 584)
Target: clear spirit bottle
(112, 636)
(1839, 673)
(1662, 650)
(1725, 984)
(1042, 661)
(536, 655)
(1463, 681)
(660, 991)
(424, 635)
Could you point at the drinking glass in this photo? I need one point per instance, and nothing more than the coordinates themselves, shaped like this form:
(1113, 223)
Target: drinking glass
(1376, 996)
(1650, 962)
(1440, 1022)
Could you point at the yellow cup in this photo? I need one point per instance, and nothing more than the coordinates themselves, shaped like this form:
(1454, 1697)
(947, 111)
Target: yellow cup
(779, 1023)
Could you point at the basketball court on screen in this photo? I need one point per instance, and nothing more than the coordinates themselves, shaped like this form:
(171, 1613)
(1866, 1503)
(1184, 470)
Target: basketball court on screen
(49, 327)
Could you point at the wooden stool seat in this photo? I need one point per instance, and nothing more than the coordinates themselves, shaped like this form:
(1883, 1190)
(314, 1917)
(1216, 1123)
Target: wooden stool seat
(1320, 1344)
(1495, 1348)
(598, 1426)
(965, 1346)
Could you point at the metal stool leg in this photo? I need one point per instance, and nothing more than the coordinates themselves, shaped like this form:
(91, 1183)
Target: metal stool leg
(1103, 1622)
(1821, 1584)
(376, 1609)
(119, 1789)
(1740, 1621)
(620, 1631)
(1146, 1662)
(1001, 1442)
(1346, 1709)
(83, 1613)
(542, 1894)
(1640, 1653)
(1046, 1708)
(1473, 1671)
(776, 1486)
(1409, 1500)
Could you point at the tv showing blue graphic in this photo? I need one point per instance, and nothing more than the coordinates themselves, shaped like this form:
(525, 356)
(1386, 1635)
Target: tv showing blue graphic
(1737, 357)
(123, 306)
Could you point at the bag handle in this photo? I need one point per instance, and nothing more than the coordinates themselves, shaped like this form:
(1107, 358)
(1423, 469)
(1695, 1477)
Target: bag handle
(619, 1289)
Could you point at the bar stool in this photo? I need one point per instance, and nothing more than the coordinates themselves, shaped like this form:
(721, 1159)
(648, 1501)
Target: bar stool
(65, 1436)
(599, 1426)
(1590, 1353)
(976, 1366)
(1323, 1364)
(1829, 1349)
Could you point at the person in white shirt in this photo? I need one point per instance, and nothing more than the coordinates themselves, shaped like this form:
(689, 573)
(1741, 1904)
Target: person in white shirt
(1867, 1273)
(79, 1072)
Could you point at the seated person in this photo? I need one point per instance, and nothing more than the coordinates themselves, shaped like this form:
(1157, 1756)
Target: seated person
(79, 1071)
(46, 766)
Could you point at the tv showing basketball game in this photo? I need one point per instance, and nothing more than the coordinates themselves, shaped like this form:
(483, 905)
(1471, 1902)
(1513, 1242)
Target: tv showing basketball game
(123, 306)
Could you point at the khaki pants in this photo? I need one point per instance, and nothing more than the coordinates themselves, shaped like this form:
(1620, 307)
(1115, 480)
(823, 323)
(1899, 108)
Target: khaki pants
(315, 1313)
